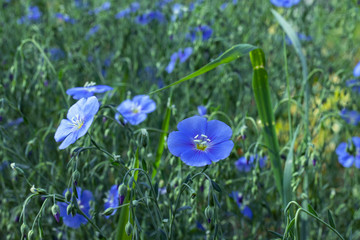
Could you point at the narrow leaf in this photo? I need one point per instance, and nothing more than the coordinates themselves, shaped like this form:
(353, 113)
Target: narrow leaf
(310, 208)
(215, 186)
(331, 220)
(231, 54)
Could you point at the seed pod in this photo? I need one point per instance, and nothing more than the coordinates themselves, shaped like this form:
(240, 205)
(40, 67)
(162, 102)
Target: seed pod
(55, 210)
(128, 228)
(209, 213)
(68, 196)
(108, 211)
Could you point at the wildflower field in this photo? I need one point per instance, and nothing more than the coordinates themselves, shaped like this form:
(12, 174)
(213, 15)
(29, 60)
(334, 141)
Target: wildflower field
(167, 119)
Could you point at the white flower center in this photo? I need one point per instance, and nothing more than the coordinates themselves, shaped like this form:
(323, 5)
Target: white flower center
(77, 121)
(202, 142)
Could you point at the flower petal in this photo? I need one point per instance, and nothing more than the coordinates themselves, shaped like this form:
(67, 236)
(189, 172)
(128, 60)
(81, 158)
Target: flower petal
(70, 139)
(195, 158)
(218, 131)
(64, 129)
(220, 151)
(136, 118)
(179, 143)
(85, 198)
(346, 160)
(341, 149)
(76, 109)
(356, 141)
(357, 161)
(90, 108)
(79, 92)
(193, 126)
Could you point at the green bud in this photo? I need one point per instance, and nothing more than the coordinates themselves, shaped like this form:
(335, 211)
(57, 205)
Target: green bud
(76, 175)
(128, 228)
(209, 213)
(122, 190)
(135, 203)
(108, 211)
(55, 209)
(69, 209)
(30, 234)
(23, 229)
(68, 196)
(144, 137)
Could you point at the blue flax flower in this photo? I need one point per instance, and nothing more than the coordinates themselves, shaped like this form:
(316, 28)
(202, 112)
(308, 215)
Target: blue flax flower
(87, 91)
(135, 111)
(246, 211)
(354, 84)
(112, 200)
(92, 31)
(34, 15)
(126, 12)
(202, 110)
(349, 152)
(245, 165)
(284, 3)
(181, 55)
(205, 31)
(351, 117)
(84, 204)
(56, 54)
(200, 142)
(79, 119)
(150, 16)
(356, 71)
(64, 18)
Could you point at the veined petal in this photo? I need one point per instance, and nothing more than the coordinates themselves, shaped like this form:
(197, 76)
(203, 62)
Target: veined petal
(346, 160)
(64, 129)
(218, 131)
(79, 92)
(341, 149)
(70, 139)
(179, 143)
(76, 109)
(220, 151)
(136, 118)
(90, 108)
(193, 126)
(195, 158)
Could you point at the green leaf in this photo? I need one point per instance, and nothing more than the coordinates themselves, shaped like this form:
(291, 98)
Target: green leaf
(165, 129)
(310, 208)
(275, 234)
(331, 220)
(289, 227)
(261, 90)
(231, 54)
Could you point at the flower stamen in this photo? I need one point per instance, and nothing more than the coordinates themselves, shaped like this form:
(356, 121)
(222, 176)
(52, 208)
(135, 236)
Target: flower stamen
(202, 142)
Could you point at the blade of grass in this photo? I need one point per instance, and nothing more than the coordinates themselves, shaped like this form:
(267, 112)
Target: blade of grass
(230, 55)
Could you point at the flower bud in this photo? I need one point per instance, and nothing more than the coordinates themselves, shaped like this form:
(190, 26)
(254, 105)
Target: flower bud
(108, 211)
(128, 228)
(69, 209)
(131, 181)
(144, 137)
(23, 229)
(122, 193)
(55, 210)
(135, 203)
(68, 196)
(209, 213)
(30, 234)
(76, 176)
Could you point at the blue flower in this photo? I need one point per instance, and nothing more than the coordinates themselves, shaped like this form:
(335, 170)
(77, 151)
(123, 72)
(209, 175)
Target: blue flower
(246, 211)
(64, 18)
(56, 54)
(181, 55)
(356, 71)
(87, 91)
(354, 84)
(351, 117)
(112, 200)
(284, 3)
(348, 153)
(126, 12)
(92, 31)
(200, 142)
(205, 31)
(150, 16)
(202, 110)
(135, 111)
(84, 204)
(33, 15)
(177, 10)
(104, 7)
(79, 119)
(245, 165)
(223, 6)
